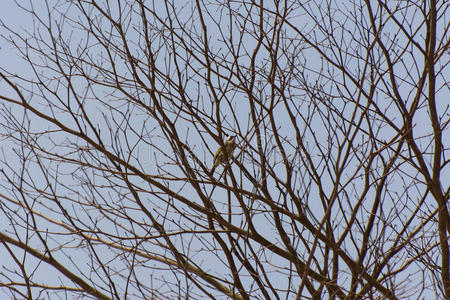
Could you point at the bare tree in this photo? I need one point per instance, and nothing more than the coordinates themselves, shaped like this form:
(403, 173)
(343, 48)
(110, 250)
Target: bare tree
(338, 187)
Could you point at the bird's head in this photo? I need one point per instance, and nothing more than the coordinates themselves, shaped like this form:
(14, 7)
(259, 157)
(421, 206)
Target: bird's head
(230, 140)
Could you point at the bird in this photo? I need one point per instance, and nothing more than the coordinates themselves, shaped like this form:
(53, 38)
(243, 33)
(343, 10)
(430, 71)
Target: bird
(223, 156)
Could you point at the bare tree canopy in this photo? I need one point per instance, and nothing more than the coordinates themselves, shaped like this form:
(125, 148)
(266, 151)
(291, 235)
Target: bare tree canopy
(338, 187)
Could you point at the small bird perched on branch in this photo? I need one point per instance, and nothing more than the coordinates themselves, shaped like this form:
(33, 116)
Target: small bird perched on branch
(222, 155)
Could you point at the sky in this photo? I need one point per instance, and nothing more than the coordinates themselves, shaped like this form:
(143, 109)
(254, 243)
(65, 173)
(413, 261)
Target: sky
(16, 18)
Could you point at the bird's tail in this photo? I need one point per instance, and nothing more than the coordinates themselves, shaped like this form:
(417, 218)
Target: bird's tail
(215, 164)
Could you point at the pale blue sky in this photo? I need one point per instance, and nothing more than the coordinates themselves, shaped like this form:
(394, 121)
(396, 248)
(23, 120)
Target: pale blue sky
(15, 18)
